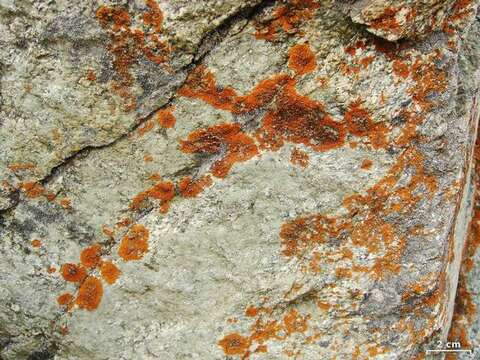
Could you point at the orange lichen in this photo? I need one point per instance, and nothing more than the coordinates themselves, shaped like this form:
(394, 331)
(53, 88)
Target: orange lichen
(109, 271)
(366, 164)
(91, 76)
(134, 245)
(360, 123)
(288, 18)
(400, 69)
(147, 158)
(293, 322)
(227, 138)
(301, 59)
(66, 203)
(36, 243)
(429, 80)
(145, 128)
(190, 189)
(32, 189)
(165, 118)
(299, 157)
(298, 119)
(251, 311)
(164, 191)
(65, 299)
(124, 222)
(234, 344)
(16, 167)
(51, 269)
(129, 44)
(90, 293)
(90, 256)
(73, 272)
(387, 21)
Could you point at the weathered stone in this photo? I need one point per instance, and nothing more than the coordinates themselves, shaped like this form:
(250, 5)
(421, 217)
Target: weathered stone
(237, 180)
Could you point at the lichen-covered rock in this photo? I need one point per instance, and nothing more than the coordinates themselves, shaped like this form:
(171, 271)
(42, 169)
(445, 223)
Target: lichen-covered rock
(233, 180)
(398, 19)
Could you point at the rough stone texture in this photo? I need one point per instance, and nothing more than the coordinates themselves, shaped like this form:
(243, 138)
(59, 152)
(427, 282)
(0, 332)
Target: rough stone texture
(236, 179)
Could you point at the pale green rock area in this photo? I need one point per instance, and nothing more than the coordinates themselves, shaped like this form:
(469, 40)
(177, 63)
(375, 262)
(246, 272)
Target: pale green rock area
(213, 256)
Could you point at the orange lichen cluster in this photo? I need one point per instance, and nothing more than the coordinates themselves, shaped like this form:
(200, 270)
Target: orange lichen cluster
(301, 59)
(429, 81)
(65, 299)
(360, 123)
(73, 272)
(366, 164)
(299, 157)
(91, 76)
(90, 256)
(265, 328)
(109, 271)
(32, 189)
(165, 118)
(400, 68)
(16, 167)
(387, 21)
(163, 191)
(36, 243)
(90, 293)
(189, 188)
(365, 226)
(66, 203)
(129, 44)
(226, 139)
(134, 244)
(288, 18)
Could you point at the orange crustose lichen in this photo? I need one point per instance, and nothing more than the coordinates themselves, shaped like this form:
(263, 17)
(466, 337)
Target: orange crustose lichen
(90, 293)
(165, 118)
(164, 191)
(73, 272)
(65, 299)
(301, 59)
(134, 245)
(226, 138)
(287, 18)
(109, 271)
(234, 344)
(360, 123)
(129, 44)
(299, 157)
(32, 189)
(191, 188)
(90, 256)
(36, 243)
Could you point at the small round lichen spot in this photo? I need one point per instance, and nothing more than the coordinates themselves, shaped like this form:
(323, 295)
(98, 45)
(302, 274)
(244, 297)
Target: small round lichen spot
(366, 164)
(90, 293)
(166, 119)
(234, 344)
(301, 59)
(64, 299)
(36, 243)
(90, 256)
(110, 272)
(134, 245)
(73, 272)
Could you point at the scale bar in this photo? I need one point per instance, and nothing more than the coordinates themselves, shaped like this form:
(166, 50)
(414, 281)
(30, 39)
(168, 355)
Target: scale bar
(449, 351)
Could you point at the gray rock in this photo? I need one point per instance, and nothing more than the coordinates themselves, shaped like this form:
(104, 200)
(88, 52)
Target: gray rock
(234, 179)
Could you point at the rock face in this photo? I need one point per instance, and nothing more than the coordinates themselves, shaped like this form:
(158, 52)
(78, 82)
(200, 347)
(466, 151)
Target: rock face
(238, 179)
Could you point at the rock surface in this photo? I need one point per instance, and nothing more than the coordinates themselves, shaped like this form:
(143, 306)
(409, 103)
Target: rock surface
(237, 179)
